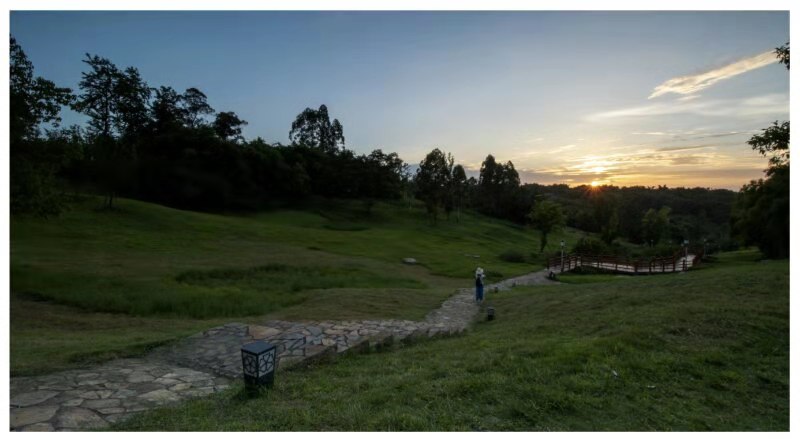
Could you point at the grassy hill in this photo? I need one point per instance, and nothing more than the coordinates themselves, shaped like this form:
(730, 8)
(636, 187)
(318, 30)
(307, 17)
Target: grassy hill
(705, 350)
(81, 281)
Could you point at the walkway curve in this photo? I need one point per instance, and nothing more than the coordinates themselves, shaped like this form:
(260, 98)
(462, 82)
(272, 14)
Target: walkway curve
(208, 362)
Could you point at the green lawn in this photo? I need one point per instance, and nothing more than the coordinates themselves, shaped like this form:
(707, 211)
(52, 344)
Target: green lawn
(137, 260)
(46, 337)
(91, 275)
(589, 278)
(705, 350)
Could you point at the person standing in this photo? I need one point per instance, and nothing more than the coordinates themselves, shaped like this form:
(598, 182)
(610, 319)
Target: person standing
(479, 285)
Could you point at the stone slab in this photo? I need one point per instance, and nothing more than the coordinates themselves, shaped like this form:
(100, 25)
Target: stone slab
(31, 415)
(31, 398)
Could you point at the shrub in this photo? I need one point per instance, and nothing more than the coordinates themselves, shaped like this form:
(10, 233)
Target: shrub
(591, 246)
(660, 251)
(515, 256)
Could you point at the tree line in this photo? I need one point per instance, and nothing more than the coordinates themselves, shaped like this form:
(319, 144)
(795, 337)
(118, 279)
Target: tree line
(761, 211)
(161, 145)
(644, 215)
(158, 144)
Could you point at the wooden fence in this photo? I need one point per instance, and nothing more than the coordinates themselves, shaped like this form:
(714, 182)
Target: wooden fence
(677, 262)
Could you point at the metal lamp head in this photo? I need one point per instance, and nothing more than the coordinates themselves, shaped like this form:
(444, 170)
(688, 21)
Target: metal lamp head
(259, 361)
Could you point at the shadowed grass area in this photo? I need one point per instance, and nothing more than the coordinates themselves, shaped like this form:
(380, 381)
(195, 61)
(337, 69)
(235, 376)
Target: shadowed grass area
(159, 270)
(708, 350)
(130, 260)
(580, 278)
(268, 278)
(46, 337)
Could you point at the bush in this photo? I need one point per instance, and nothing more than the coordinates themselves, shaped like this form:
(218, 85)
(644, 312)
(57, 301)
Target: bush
(660, 251)
(591, 246)
(512, 256)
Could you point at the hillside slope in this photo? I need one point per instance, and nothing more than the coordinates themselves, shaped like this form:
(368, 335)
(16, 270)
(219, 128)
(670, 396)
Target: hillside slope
(93, 284)
(705, 350)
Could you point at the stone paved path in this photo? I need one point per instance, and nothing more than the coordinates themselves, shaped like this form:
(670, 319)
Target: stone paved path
(208, 362)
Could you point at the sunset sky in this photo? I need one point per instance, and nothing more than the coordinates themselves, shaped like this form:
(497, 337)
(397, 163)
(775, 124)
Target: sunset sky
(623, 98)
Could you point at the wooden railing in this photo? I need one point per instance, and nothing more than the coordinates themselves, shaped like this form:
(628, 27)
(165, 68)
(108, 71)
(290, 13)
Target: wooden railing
(617, 264)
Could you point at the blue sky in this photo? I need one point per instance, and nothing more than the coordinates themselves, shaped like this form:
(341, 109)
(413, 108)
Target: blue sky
(574, 97)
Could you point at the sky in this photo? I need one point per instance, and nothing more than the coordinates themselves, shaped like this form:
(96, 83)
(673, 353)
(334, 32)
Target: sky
(622, 98)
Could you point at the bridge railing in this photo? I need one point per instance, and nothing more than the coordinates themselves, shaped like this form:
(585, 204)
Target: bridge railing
(668, 264)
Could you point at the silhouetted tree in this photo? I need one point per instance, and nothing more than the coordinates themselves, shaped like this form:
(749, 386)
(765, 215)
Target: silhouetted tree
(773, 142)
(547, 217)
(498, 188)
(314, 128)
(761, 211)
(228, 126)
(783, 54)
(606, 214)
(655, 224)
(458, 189)
(432, 180)
(167, 112)
(195, 106)
(34, 162)
(132, 105)
(33, 99)
(487, 186)
(98, 99)
(101, 101)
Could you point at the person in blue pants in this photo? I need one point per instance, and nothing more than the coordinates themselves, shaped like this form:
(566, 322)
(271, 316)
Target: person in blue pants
(479, 285)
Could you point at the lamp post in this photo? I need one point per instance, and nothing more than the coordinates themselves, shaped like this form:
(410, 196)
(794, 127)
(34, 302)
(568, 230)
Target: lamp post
(685, 254)
(562, 255)
(258, 365)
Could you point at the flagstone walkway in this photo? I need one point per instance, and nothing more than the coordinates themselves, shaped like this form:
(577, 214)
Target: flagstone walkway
(210, 361)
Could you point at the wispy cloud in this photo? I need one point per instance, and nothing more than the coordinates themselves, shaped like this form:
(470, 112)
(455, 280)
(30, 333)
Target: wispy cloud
(651, 133)
(760, 105)
(695, 134)
(686, 167)
(562, 149)
(690, 84)
(685, 148)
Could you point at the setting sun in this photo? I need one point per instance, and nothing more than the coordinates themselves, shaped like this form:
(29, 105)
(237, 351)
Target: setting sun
(595, 183)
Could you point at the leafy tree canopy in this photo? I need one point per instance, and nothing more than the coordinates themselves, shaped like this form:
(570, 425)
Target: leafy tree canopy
(314, 128)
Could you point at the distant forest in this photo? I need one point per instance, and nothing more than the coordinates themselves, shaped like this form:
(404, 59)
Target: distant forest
(170, 147)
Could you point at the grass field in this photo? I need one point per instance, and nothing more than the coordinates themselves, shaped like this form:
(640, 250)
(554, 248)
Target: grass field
(82, 282)
(705, 350)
